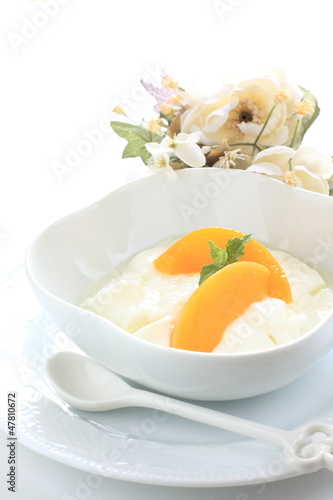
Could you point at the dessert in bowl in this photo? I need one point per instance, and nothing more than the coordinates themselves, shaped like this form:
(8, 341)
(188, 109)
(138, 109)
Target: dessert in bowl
(193, 294)
(83, 248)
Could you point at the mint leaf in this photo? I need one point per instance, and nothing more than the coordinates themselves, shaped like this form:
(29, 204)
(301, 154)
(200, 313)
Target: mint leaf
(217, 254)
(235, 247)
(234, 250)
(207, 271)
(137, 138)
(306, 120)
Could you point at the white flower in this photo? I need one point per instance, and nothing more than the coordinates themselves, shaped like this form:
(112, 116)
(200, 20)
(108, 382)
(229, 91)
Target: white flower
(239, 111)
(311, 181)
(188, 150)
(314, 161)
(184, 146)
(273, 161)
(306, 168)
(160, 163)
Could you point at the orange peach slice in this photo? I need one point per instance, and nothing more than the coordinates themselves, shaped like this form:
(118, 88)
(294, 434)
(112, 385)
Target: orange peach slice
(220, 299)
(192, 251)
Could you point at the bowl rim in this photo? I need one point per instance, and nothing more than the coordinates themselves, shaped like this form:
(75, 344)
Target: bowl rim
(160, 348)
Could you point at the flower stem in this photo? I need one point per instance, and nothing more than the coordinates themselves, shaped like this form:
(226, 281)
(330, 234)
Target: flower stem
(294, 134)
(262, 129)
(290, 165)
(245, 144)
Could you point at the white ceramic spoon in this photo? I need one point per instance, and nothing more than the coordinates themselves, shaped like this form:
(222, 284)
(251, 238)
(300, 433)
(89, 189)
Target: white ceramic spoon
(86, 385)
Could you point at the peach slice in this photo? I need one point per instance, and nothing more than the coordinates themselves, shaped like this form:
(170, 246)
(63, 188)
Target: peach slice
(216, 303)
(191, 252)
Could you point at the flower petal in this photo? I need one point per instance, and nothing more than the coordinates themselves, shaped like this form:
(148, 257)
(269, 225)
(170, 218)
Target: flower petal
(314, 161)
(194, 137)
(268, 84)
(276, 138)
(277, 155)
(190, 154)
(311, 181)
(266, 168)
(251, 129)
(275, 150)
(218, 118)
(154, 148)
(160, 94)
(170, 173)
(183, 138)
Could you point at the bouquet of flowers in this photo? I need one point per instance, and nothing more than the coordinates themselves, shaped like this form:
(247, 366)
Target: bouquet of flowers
(255, 124)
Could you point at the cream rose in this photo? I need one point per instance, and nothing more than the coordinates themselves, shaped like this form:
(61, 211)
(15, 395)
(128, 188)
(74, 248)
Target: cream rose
(238, 112)
(305, 168)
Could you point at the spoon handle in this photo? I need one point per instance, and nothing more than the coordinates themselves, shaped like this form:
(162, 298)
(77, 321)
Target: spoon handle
(209, 417)
(307, 449)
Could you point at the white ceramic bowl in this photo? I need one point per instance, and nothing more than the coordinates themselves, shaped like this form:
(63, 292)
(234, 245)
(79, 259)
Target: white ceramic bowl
(85, 246)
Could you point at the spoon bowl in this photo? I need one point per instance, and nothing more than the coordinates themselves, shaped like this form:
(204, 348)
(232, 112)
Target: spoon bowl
(84, 384)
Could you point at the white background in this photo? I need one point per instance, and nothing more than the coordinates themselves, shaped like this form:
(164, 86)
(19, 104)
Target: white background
(63, 71)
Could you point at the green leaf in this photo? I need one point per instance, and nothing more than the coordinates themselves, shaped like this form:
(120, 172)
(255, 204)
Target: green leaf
(136, 148)
(234, 250)
(207, 271)
(307, 120)
(217, 254)
(235, 247)
(137, 138)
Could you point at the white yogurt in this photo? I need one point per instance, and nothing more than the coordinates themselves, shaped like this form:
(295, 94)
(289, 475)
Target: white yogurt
(146, 303)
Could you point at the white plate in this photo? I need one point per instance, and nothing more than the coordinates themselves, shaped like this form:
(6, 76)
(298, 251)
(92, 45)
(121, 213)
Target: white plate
(141, 445)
